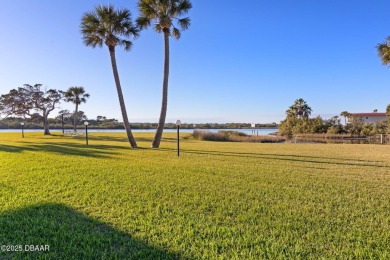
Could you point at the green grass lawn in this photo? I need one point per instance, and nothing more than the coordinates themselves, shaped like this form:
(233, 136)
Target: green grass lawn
(217, 201)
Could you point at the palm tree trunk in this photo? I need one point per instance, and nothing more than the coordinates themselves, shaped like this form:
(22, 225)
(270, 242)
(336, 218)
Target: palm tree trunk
(75, 117)
(164, 105)
(121, 100)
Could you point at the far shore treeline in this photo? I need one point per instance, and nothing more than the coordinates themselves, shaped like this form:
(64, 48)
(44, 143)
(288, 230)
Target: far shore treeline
(56, 123)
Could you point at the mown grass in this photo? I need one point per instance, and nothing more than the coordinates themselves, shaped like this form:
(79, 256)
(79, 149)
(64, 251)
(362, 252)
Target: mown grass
(216, 201)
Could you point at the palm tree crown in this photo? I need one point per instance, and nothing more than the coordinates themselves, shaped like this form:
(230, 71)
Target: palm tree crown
(76, 95)
(106, 25)
(300, 109)
(384, 51)
(163, 13)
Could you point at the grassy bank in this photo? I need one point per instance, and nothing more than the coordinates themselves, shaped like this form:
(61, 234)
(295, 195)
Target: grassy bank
(218, 200)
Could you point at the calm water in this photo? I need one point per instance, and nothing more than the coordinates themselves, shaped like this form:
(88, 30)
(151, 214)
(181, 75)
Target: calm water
(262, 131)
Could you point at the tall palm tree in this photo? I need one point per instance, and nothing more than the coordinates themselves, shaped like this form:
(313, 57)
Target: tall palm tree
(163, 13)
(107, 25)
(384, 51)
(76, 95)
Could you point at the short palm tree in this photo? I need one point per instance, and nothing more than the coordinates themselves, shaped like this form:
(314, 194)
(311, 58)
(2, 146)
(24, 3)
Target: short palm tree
(107, 25)
(76, 95)
(384, 51)
(163, 13)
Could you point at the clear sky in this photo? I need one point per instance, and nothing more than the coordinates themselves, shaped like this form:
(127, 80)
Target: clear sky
(240, 61)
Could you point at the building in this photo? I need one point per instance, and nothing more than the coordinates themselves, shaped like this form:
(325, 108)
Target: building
(368, 117)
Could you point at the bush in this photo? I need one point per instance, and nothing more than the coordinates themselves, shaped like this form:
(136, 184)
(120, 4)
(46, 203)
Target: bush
(234, 136)
(209, 136)
(317, 125)
(232, 133)
(335, 130)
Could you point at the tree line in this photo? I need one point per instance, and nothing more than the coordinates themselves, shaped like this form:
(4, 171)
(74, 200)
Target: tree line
(101, 122)
(298, 121)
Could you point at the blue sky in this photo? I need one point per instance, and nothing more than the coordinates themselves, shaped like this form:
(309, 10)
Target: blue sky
(239, 61)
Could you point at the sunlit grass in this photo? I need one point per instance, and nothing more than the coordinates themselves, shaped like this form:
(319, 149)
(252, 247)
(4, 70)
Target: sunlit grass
(217, 200)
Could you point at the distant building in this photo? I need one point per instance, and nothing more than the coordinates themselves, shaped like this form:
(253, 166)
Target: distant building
(369, 117)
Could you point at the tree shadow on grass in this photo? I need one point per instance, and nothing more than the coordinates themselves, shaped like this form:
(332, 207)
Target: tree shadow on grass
(287, 157)
(119, 137)
(69, 235)
(96, 150)
(74, 149)
(105, 138)
(124, 139)
(11, 148)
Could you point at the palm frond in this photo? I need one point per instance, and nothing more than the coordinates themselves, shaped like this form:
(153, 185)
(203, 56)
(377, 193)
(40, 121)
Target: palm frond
(143, 22)
(176, 33)
(157, 28)
(123, 14)
(93, 41)
(182, 7)
(127, 44)
(149, 8)
(384, 52)
(184, 23)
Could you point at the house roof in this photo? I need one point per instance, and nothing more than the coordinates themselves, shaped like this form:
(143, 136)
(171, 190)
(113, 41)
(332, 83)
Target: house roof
(369, 114)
